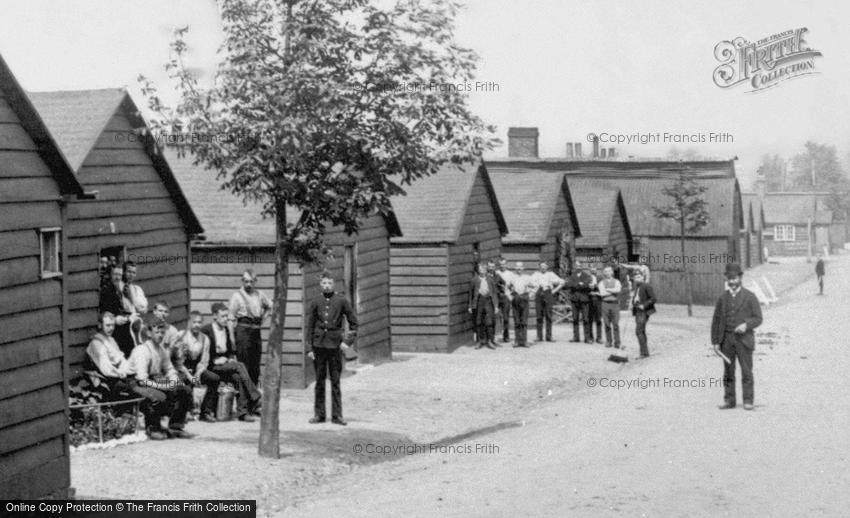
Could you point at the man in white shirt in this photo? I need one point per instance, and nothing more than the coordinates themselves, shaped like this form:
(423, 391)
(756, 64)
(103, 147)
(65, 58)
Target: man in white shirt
(548, 285)
(520, 288)
(106, 357)
(157, 381)
(249, 306)
(133, 291)
(609, 289)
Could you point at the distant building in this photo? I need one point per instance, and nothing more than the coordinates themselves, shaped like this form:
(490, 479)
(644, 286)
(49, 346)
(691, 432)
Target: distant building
(796, 223)
(656, 241)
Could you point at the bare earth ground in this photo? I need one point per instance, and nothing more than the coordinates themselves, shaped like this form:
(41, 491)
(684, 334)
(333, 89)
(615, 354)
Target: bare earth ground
(549, 443)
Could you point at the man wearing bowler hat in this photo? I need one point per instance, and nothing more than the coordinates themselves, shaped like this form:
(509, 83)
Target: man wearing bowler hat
(736, 315)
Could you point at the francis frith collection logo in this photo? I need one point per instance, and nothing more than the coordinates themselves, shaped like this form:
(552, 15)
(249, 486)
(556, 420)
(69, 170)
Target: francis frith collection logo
(765, 63)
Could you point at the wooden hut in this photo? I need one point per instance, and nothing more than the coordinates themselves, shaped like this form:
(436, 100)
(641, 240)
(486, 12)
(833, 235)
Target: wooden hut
(139, 213)
(36, 183)
(795, 223)
(656, 241)
(449, 221)
(754, 224)
(606, 233)
(237, 237)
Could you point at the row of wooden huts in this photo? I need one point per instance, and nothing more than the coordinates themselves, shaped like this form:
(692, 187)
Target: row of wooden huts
(79, 182)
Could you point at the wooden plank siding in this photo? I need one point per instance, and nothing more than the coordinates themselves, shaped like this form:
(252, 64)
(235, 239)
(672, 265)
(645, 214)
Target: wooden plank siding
(707, 258)
(216, 274)
(33, 396)
(134, 209)
(419, 297)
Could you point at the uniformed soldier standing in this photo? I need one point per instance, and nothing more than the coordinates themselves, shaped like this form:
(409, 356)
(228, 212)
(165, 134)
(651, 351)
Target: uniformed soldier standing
(327, 341)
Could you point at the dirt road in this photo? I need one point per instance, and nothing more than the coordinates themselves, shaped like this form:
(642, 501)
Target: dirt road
(647, 439)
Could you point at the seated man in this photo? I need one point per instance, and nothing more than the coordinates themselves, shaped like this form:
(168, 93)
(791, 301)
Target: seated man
(106, 357)
(223, 366)
(157, 382)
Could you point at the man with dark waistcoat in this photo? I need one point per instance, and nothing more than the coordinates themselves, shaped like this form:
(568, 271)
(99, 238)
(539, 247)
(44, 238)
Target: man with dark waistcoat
(580, 283)
(736, 315)
(327, 338)
(249, 306)
(484, 306)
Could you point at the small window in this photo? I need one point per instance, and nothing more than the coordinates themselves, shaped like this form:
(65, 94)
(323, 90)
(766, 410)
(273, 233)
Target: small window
(784, 233)
(51, 256)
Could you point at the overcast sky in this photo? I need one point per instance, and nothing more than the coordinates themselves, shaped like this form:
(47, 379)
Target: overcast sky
(567, 67)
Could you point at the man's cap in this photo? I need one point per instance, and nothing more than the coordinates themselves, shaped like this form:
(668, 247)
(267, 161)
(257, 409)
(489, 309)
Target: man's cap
(733, 270)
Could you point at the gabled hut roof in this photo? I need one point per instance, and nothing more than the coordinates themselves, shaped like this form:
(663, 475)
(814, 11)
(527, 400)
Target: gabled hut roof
(528, 200)
(433, 209)
(77, 119)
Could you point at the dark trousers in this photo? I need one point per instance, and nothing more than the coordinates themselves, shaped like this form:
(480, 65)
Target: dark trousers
(595, 316)
(543, 309)
(174, 402)
(505, 308)
(249, 349)
(485, 320)
(641, 318)
(328, 361)
(581, 312)
(611, 319)
(820, 283)
(124, 339)
(236, 374)
(733, 348)
(520, 305)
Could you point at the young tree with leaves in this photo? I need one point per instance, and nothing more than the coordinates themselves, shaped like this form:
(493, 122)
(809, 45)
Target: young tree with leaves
(687, 207)
(328, 107)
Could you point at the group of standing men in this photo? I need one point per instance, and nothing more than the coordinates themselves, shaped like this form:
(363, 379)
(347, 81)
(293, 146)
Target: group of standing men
(498, 293)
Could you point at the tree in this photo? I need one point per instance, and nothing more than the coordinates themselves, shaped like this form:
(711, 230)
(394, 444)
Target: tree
(817, 168)
(773, 169)
(329, 107)
(687, 208)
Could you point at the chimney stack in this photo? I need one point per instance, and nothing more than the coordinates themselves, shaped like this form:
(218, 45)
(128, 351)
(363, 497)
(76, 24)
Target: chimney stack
(578, 150)
(760, 184)
(595, 146)
(603, 153)
(570, 153)
(522, 142)
(611, 152)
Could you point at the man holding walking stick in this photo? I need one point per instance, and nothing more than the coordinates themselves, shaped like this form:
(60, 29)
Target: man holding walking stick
(736, 315)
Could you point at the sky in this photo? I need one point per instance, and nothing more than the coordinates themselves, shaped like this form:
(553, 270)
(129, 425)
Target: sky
(567, 67)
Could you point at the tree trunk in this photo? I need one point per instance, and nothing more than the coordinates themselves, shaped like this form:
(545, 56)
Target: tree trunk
(688, 292)
(269, 423)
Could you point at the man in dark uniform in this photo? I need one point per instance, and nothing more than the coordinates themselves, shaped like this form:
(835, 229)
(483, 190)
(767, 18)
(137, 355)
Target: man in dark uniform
(327, 342)
(484, 306)
(580, 284)
(736, 315)
(643, 306)
(820, 271)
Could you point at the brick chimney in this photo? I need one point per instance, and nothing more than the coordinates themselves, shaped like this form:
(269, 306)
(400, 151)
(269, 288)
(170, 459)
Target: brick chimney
(595, 146)
(603, 153)
(522, 142)
(570, 152)
(611, 153)
(760, 184)
(578, 150)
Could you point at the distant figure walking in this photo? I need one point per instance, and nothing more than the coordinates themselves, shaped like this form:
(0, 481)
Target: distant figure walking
(736, 315)
(819, 271)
